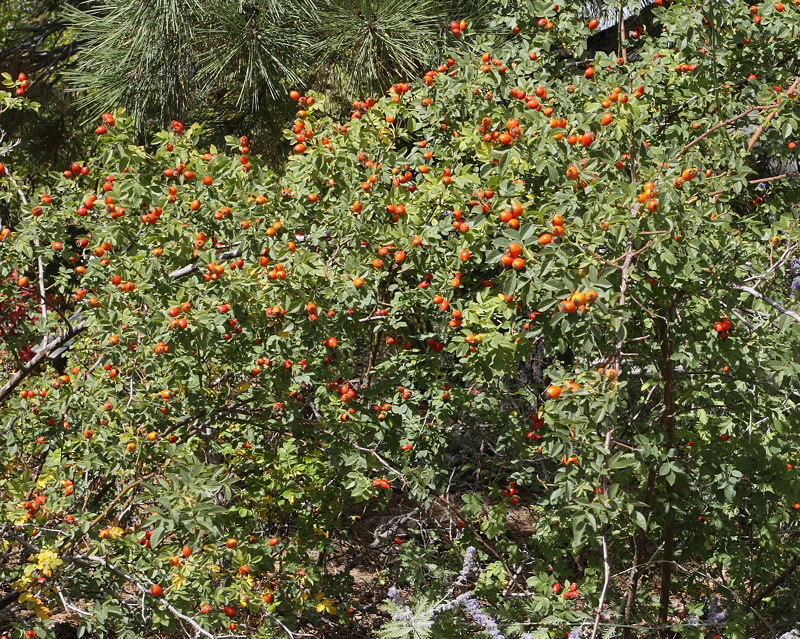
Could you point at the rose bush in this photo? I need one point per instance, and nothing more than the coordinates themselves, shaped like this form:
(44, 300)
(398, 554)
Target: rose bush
(537, 303)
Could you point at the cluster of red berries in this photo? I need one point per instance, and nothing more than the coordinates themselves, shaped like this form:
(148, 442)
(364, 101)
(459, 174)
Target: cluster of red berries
(361, 107)
(723, 326)
(301, 132)
(435, 345)
(457, 27)
(537, 421)
(512, 130)
(145, 540)
(213, 271)
(152, 216)
(275, 312)
(32, 506)
(22, 85)
(244, 150)
(510, 493)
(571, 592)
(108, 121)
(75, 169)
(346, 390)
(428, 78)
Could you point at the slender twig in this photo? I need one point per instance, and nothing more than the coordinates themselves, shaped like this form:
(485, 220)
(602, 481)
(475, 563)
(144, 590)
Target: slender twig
(772, 178)
(606, 563)
(667, 422)
(68, 606)
(623, 289)
(599, 258)
(631, 254)
(382, 461)
(754, 138)
(716, 127)
(777, 581)
(119, 496)
(780, 261)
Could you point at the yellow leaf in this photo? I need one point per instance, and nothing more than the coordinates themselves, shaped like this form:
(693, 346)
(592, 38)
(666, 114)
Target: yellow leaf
(46, 560)
(43, 612)
(331, 610)
(178, 581)
(320, 607)
(707, 545)
(115, 531)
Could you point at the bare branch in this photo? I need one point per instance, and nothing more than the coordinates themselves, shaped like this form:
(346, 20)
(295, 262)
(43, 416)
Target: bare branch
(88, 560)
(191, 268)
(716, 127)
(754, 138)
(772, 178)
(768, 300)
(45, 348)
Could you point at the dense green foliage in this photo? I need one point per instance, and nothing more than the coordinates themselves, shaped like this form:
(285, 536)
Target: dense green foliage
(227, 63)
(534, 304)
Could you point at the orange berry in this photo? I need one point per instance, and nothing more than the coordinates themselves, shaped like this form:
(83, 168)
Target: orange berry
(567, 306)
(553, 391)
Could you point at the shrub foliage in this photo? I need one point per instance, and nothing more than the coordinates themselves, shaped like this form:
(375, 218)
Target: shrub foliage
(536, 303)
